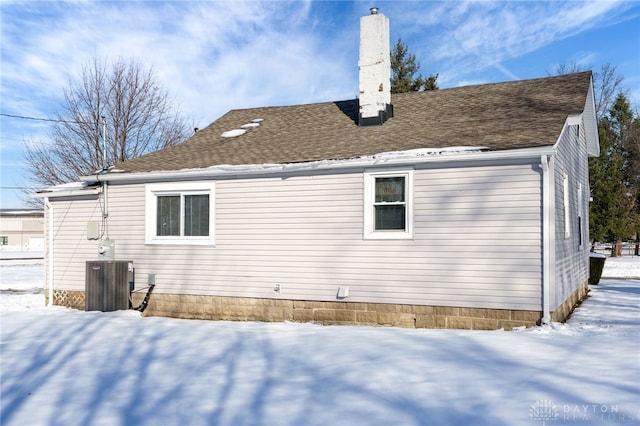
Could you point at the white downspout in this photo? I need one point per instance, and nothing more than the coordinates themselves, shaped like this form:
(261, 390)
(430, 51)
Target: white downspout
(546, 240)
(49, 272)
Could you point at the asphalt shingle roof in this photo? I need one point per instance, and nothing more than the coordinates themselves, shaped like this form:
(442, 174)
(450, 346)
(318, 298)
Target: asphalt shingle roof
(498, 116)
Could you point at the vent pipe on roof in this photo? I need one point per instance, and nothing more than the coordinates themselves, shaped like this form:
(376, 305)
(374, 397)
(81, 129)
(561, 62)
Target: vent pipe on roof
(374, 70)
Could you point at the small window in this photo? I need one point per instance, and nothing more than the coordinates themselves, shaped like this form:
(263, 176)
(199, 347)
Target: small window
(179, 213)
(388, 205)
(4, 241)
(580, 207)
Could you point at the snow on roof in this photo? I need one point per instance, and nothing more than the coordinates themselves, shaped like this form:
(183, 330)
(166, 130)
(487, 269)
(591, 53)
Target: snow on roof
(423, 152)
(366, 160)
(378, 158)
(233, 133)
(70, 185)
(243, 129)
(65, 189)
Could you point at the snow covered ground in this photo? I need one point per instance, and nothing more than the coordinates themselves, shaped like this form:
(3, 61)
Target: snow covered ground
(60, 366)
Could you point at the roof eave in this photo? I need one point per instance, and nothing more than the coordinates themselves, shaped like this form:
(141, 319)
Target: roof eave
(69, 192)
(229, 171)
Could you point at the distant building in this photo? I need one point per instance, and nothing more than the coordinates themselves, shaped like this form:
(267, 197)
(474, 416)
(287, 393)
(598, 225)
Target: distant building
(22, 228)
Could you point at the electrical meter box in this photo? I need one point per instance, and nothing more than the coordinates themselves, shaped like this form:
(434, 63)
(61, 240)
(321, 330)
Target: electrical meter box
(107, 285)
(106, 250)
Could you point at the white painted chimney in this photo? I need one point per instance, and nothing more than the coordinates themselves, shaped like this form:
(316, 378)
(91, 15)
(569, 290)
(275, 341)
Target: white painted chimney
(375, 69)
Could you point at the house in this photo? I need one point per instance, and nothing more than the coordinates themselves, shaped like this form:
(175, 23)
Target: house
(22, 228)
(458, 208)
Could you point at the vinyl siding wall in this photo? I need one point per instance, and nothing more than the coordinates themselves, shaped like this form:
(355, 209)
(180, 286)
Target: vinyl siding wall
(571, 257)
(70, 248)
(477, 240)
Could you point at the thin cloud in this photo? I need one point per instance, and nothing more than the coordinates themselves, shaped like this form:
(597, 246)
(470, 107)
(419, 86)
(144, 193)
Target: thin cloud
(209, 55)
(213, 56)
(462, 38)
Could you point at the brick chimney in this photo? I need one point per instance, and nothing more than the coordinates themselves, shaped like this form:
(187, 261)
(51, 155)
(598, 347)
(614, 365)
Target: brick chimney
(374, 70)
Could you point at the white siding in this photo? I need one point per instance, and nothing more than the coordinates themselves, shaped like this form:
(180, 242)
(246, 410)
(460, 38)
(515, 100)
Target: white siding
(477, 241)
(571, 258)
(71, 248)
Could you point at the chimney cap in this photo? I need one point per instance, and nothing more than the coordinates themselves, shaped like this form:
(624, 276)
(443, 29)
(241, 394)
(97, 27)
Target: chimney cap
(374, 10)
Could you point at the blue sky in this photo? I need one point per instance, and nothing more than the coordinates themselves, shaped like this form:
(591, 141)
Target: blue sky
(214, 56)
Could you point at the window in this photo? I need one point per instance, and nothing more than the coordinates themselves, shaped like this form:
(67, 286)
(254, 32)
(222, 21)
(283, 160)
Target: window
(180, 213)
(580, 207)
(388, 205)
(4, 241)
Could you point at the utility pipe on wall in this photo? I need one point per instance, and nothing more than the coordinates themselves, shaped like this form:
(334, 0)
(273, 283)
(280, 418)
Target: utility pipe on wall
(546, 239)
(105, 167)
(105, 211)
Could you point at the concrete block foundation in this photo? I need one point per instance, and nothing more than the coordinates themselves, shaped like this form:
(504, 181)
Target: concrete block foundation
(334, 313)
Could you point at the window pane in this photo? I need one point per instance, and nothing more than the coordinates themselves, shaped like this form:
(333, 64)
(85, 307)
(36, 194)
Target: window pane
(390, 217)
(168, 216)
(390, 189)
(196, 215)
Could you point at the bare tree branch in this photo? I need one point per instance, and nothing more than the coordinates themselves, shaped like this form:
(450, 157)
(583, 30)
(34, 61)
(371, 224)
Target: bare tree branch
(140, 117)
(607, 83)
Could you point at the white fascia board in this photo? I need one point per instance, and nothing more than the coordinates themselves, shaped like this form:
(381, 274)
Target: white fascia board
(67, 192)
(590, 121)
(398, 159)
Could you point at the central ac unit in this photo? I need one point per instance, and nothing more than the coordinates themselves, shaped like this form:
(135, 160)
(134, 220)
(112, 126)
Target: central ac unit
(107, 285)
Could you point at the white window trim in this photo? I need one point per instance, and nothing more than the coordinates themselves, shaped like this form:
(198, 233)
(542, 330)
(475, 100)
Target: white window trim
(153, 190)
(369, 212)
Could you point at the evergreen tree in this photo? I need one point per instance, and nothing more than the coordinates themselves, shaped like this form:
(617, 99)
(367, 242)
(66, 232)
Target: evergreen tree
(615, 177)
(403, 69)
